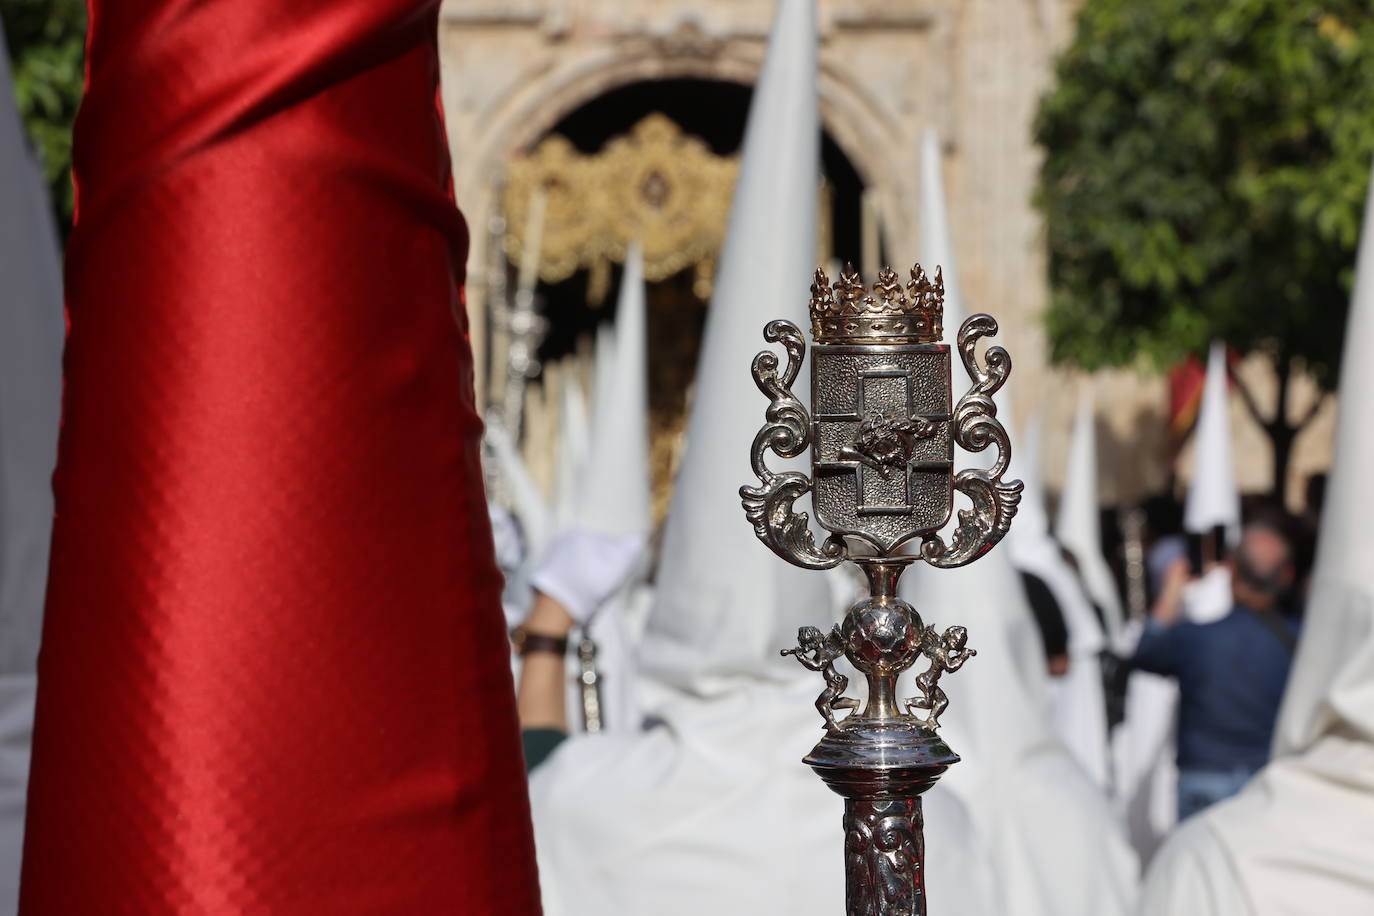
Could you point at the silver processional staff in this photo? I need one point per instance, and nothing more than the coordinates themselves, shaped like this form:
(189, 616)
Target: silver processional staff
(881, 431)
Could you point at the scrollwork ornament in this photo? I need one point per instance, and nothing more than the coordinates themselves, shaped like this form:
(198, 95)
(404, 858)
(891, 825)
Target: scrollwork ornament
(976, 428)
(787, 433)
(884, 850)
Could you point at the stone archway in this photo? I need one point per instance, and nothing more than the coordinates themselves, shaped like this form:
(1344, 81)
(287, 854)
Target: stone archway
(858, 122)
(595, 170)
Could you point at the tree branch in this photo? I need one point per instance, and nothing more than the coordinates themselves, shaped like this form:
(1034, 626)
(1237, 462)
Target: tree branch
(1312, 411)
(1284, 368)
(1248, 397)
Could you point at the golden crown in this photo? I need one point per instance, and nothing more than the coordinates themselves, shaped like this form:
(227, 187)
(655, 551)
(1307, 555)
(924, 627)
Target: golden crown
(848, 313)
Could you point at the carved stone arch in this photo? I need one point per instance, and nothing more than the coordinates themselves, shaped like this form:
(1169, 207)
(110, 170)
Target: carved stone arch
(853, 118)
(552, 86)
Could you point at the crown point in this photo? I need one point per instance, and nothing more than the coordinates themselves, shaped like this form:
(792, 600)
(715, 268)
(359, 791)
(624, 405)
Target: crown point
(821, 298)
(888, 286)
(847, 313)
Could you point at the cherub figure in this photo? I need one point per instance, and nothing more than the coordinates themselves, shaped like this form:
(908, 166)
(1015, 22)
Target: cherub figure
(818, 651)
(946, 653)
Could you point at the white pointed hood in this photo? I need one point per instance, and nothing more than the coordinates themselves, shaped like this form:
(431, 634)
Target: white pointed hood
(603, 369)
(615, 496)
(1032, 547)
(1079, 526)
(937, 250)
(1332, 686)
(1213, 497)
(574, 449)
(30, 393)
(725, 604)
(937, 241)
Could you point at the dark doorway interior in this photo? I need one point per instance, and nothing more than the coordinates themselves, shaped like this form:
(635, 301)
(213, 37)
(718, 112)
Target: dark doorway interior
(715, 112)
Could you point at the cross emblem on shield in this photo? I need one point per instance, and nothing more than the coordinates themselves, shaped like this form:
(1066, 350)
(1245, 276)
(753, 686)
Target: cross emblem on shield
(883, 454)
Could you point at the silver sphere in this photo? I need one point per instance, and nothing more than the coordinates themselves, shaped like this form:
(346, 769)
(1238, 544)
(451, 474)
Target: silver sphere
(882, 636)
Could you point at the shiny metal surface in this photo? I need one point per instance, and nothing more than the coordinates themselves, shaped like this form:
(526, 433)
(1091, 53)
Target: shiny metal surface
(884, 853)
(589, 684)
(882, 439)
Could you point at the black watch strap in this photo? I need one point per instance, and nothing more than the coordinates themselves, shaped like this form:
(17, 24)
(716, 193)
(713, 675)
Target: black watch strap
(526, 642)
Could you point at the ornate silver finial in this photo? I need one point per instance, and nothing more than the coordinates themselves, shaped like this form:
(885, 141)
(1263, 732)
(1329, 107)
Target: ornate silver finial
(881, 431)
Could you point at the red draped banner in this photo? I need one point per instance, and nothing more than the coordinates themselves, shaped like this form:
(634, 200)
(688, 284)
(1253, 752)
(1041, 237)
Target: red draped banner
(273, 668)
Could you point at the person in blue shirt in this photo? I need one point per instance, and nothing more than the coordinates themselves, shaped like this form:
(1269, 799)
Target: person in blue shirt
(1231, 673)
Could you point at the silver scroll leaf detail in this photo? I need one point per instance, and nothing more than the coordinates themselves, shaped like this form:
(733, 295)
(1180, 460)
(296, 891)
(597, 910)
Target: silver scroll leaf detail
(787, 433)
(976, 427)
(884, 850)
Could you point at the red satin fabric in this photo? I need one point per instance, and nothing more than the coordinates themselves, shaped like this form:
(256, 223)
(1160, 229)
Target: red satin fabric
(273, 637)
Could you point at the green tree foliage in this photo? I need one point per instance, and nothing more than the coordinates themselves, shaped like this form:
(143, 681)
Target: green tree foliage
(1205, 168)
(46, 40)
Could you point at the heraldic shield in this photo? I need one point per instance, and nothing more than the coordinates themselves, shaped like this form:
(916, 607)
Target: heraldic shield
(882, 428)
(883, 453)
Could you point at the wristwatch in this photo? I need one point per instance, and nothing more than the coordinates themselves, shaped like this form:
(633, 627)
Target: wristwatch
(524, 642)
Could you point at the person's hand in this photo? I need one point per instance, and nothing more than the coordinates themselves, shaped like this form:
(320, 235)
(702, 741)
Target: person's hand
(580, 572)
(548, 617)
(582, 569)
(1169, 605)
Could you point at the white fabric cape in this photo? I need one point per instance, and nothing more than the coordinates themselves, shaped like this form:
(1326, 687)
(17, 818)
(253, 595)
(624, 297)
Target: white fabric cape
(30, 395)
(1299, 838)
(1143, 754)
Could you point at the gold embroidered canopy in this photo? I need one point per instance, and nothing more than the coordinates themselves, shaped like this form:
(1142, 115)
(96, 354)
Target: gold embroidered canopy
(655, 184)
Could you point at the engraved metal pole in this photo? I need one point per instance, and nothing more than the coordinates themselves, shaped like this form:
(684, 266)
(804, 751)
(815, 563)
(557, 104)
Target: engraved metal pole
(589, 684)
(882, 433)
(523, 324)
